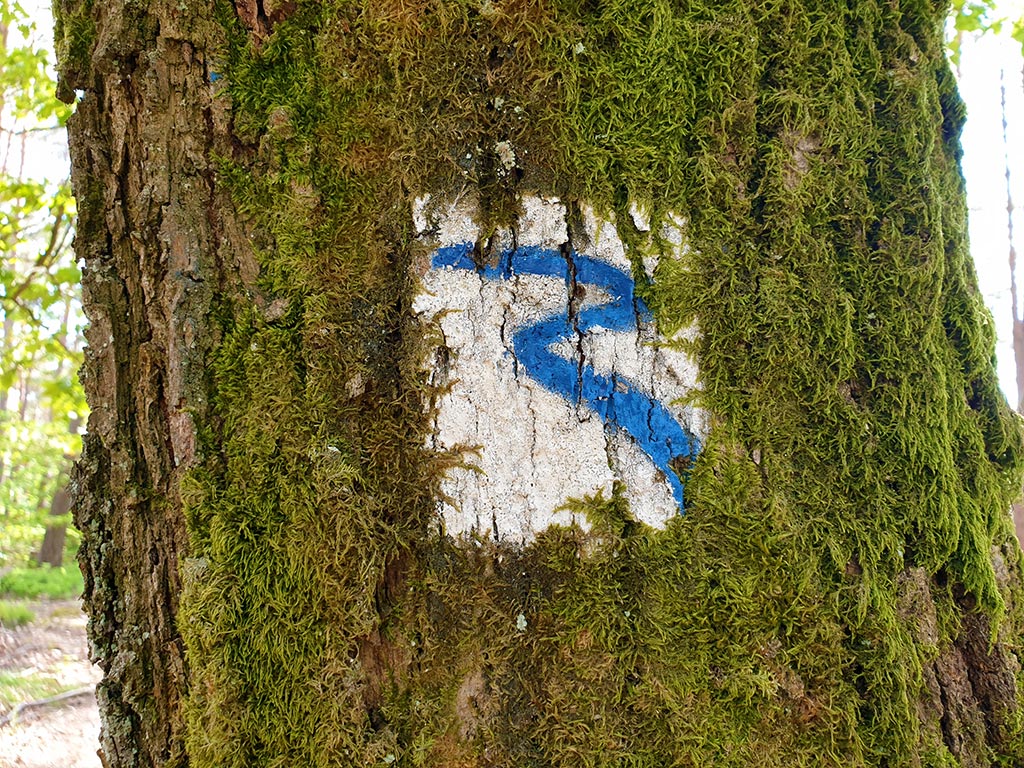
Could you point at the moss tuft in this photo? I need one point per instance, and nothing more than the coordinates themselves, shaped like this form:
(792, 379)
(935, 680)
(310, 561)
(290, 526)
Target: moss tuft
(74, 33)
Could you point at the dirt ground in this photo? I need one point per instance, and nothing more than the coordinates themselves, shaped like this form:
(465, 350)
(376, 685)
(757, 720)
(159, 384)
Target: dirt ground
(61, 735)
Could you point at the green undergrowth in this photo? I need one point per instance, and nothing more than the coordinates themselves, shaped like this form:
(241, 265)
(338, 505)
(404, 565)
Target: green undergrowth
(14, 614)
(846, 506)
(44, 581)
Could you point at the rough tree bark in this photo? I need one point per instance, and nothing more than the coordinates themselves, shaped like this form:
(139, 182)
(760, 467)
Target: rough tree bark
(149, 228)
(536, 382)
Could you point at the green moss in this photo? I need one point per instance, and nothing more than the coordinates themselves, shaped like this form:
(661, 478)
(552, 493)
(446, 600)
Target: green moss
(846, 358)
(74, 33)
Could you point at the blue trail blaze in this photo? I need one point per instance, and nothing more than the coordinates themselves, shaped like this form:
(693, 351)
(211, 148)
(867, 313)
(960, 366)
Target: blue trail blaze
(616, 401)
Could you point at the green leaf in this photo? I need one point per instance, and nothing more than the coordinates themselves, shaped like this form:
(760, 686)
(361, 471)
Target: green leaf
(68, 275)
(1018, 33)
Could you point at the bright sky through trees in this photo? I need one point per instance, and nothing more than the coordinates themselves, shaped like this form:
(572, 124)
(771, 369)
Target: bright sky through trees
(41, 404)
(982, 63)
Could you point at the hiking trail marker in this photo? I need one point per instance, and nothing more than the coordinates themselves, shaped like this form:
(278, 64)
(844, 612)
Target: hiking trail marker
(558, 384)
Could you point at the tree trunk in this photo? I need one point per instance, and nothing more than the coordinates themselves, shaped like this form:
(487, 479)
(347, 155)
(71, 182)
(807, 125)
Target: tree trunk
(537, 383)
(51, 551)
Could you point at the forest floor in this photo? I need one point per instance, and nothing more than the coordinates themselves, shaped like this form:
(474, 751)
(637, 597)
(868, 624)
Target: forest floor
(42, 659)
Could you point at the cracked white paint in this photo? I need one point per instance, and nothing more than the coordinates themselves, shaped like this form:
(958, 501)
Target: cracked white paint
(528, 449)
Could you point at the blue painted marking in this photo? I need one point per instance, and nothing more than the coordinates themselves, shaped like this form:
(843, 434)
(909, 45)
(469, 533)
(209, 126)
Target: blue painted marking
(616, 400)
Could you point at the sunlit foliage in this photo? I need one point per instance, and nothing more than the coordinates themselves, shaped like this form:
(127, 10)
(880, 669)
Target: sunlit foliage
(41, 403)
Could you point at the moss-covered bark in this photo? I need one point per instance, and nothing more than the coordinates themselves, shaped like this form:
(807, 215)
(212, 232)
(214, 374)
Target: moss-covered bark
(843, 588)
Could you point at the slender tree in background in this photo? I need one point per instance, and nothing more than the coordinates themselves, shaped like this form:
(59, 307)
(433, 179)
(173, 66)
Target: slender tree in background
(1018, 322)
(537, 383)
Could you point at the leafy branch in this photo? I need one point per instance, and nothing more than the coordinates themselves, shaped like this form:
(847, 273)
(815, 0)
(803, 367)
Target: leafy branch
(979, 17)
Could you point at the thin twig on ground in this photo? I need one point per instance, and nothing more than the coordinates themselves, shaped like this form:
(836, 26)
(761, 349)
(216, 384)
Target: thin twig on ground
(13, 715)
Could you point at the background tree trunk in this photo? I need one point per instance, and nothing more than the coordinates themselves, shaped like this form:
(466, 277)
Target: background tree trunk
(278, 202)
(51, 551)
